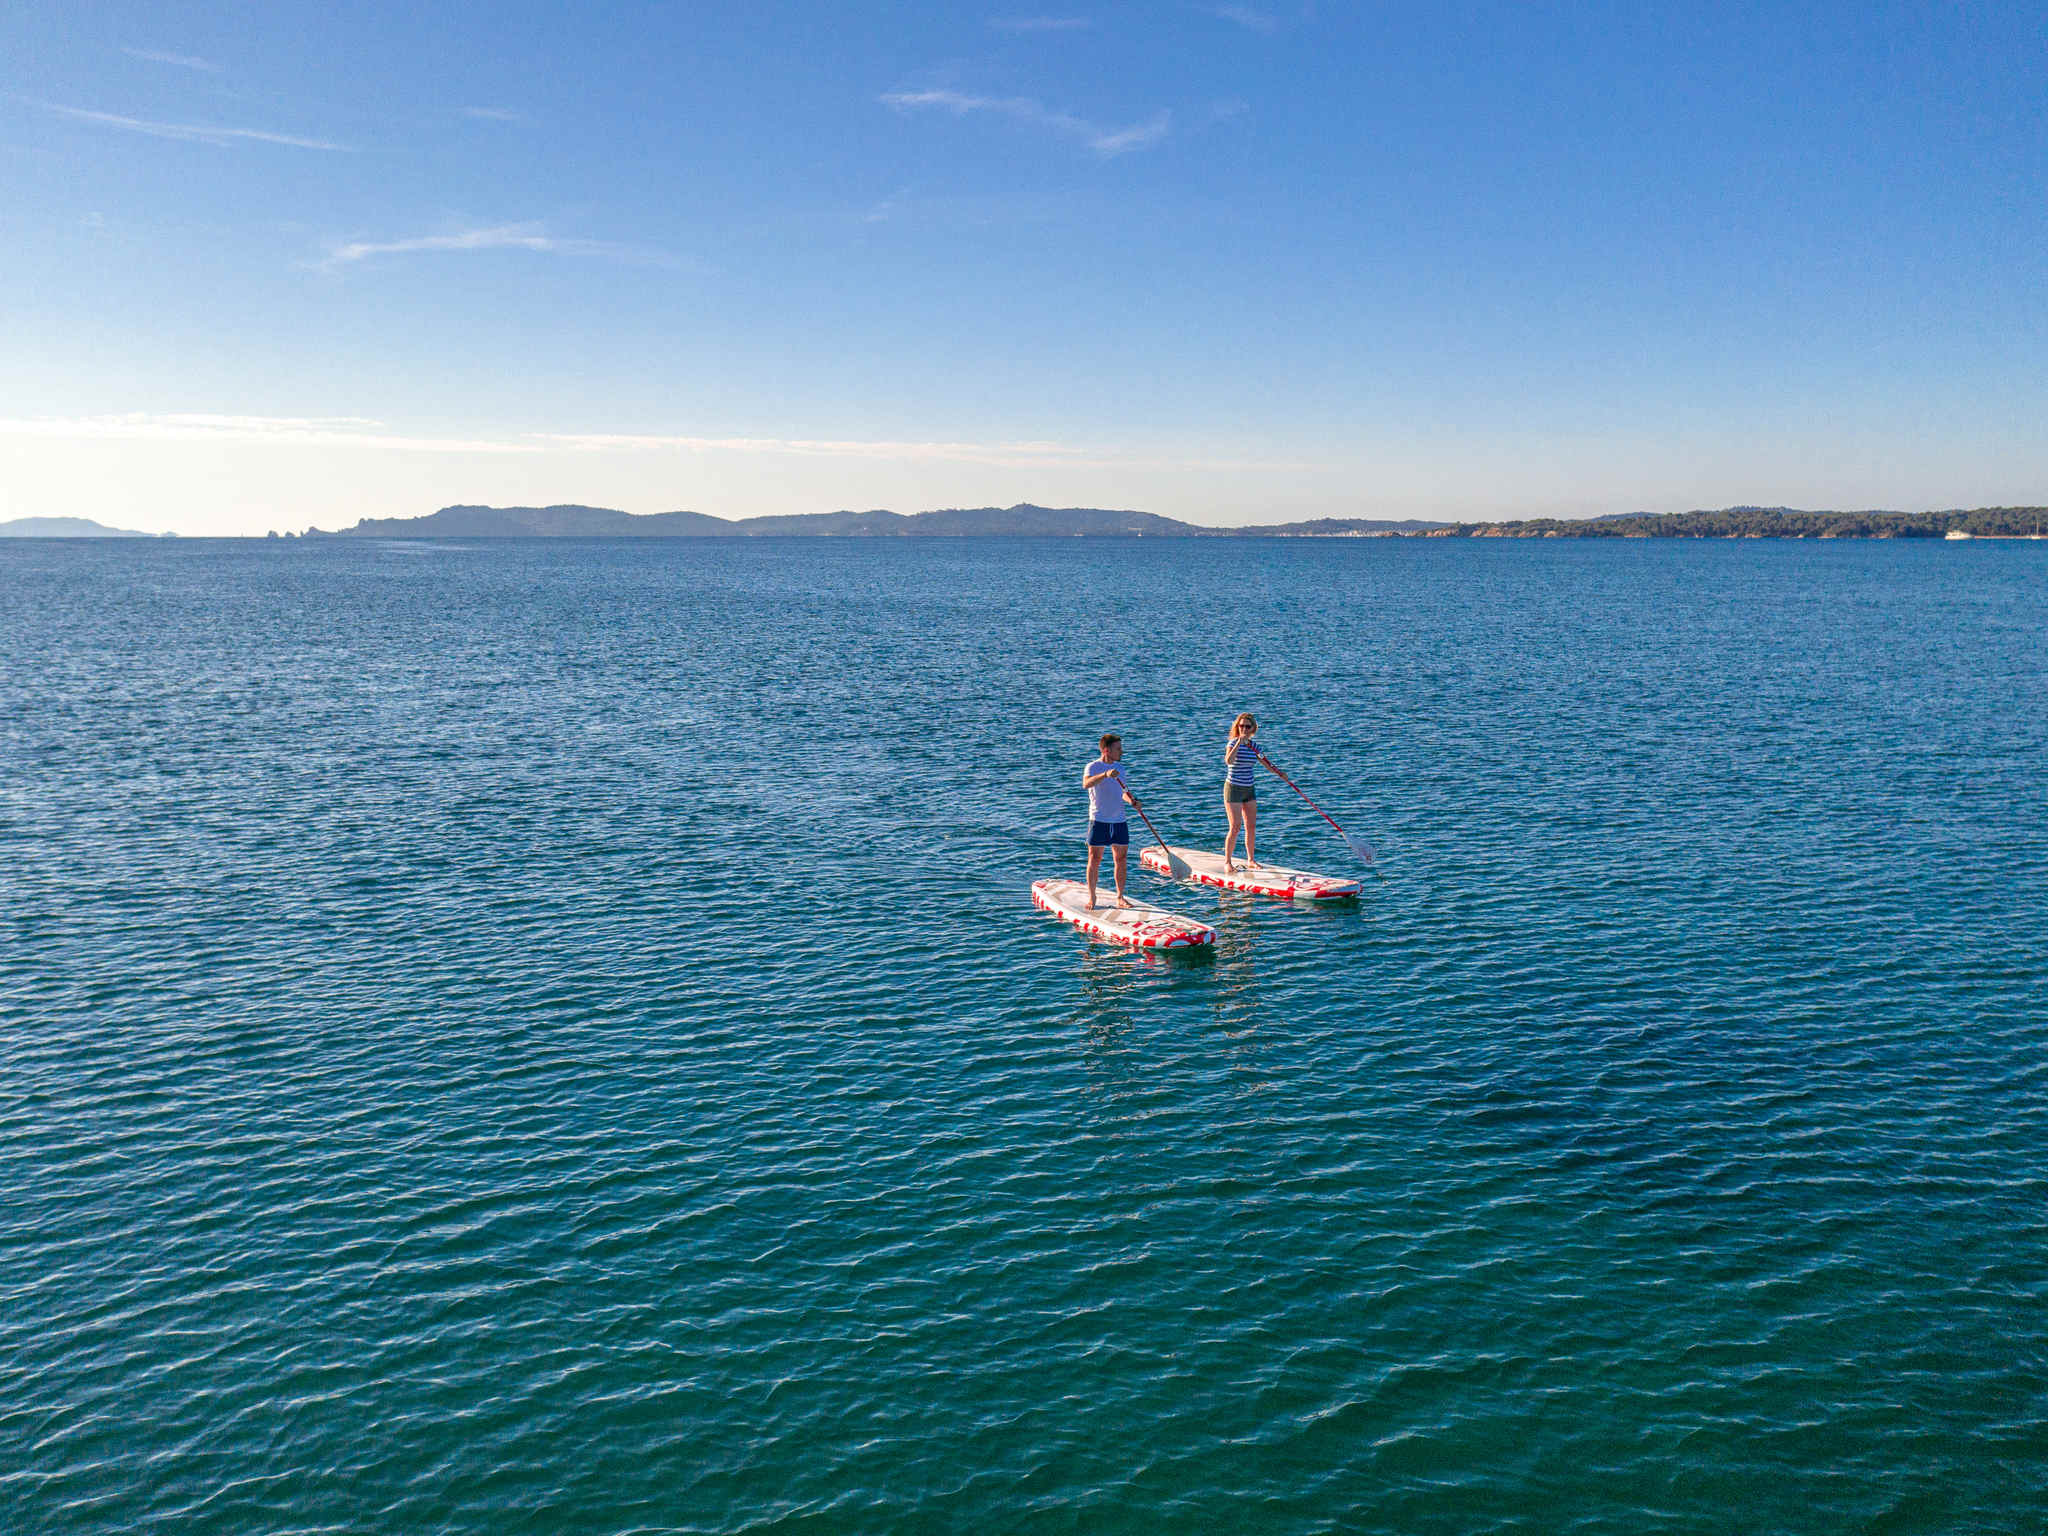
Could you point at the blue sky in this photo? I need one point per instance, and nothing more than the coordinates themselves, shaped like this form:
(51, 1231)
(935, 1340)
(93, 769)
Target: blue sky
(272, 266)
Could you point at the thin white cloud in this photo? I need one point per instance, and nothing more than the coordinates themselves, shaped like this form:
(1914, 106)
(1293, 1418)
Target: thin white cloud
(501, 237)
(1245, 16)
(1138, 136)
(174, 427)
(1023, 109)
(1016, 454)
(886, 209)
(1040, 23)
(492, 114)
(1006, 455)
(182, 60)
(365, 432)
(191, 133)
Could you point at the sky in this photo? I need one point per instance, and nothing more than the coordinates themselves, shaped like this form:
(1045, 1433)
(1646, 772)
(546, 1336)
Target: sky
(271, 267)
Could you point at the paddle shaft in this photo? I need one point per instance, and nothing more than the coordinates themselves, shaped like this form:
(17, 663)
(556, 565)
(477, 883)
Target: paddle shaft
(1304, 795)
(1144, 818)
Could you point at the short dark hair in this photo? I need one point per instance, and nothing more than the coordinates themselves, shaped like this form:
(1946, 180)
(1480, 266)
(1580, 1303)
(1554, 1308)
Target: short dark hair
(1111, 740)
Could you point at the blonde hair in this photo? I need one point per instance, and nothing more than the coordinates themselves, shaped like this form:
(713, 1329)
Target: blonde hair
(1246, 720)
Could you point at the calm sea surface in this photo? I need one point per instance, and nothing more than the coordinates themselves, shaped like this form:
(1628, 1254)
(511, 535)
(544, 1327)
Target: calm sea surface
(553, 1037)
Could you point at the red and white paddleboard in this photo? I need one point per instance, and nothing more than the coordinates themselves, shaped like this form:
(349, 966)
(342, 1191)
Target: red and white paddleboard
(1141, 925)
(1260, 879)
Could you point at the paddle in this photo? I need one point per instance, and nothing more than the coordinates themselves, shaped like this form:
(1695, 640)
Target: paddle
(1358, 844)
(1174, 861)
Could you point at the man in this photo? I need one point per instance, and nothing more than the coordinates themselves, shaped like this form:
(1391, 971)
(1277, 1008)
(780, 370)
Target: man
(1108, 827)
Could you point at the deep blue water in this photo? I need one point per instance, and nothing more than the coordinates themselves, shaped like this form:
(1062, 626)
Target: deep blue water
(553, 1037)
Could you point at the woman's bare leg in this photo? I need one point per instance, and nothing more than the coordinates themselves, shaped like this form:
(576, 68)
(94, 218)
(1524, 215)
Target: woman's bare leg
(1231, 818)
(1251, 831)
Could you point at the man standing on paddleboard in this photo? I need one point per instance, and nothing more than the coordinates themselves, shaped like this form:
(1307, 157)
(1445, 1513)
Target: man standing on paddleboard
(1108, 826)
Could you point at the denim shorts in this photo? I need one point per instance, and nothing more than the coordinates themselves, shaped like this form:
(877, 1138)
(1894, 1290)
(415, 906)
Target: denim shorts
(1107, 834)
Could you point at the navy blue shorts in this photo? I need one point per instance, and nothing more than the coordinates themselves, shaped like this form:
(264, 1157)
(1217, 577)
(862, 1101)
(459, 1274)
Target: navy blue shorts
(1108, 834)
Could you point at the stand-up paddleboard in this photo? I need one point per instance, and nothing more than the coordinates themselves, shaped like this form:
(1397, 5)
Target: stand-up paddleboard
(1141, 925)
(1260, 880)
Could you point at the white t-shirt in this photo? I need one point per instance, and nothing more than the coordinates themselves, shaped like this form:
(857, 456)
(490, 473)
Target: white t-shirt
(1106, 799)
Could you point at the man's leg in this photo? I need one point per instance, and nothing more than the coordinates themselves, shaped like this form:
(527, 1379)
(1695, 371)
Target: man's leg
(1120, 851)
(1094, 868)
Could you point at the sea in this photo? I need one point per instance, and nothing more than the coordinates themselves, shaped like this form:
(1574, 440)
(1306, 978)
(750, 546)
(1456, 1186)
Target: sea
(552, 1036)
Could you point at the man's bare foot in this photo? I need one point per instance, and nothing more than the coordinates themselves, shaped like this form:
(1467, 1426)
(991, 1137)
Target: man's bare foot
(1229, 868)
(1123, 901)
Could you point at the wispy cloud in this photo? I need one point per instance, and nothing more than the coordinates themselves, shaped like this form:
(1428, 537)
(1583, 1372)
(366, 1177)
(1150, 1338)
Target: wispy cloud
(1014, 455)
(191, 133)
(366, 432)
(182, 60)
(1023, 109)
(884, 210)
(1138, 136)
(500, 237)
(174, 427)
(1040, 23)
(1245, 16)
(492, 114)
(1026, 454)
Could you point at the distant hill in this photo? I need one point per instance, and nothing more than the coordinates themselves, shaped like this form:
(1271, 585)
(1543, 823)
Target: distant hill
(1022, 520)
(558, 522)
(65, 528)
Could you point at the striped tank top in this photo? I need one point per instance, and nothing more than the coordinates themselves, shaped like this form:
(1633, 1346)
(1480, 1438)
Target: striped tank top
(1241, 771)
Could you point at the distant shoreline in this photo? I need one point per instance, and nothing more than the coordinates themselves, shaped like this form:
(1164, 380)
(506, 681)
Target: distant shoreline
(1025, 520)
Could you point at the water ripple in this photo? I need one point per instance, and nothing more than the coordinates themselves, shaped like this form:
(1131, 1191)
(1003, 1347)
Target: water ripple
(556, 1038)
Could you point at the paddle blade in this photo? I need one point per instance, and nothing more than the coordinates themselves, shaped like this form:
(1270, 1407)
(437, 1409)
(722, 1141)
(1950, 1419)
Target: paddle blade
(1360, 847)
(1179, 866)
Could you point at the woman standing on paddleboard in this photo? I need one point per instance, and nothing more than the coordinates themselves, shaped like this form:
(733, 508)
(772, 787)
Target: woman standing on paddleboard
(1241, 757)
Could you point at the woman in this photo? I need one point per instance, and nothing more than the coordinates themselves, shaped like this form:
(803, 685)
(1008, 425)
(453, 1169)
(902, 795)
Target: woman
(1241, 758)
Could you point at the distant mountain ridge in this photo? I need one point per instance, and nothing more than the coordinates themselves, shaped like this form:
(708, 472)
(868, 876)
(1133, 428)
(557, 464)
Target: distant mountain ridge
(66, 528)
(1023, 520)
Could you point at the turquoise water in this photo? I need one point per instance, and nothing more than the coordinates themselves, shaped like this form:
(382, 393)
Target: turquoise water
(554, 1037)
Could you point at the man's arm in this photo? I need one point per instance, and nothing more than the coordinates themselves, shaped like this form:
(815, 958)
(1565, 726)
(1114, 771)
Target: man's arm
(1090, 780)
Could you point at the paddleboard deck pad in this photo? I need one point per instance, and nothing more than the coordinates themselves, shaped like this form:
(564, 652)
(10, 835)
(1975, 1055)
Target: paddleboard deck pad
(1259, 880)
(1140, 925)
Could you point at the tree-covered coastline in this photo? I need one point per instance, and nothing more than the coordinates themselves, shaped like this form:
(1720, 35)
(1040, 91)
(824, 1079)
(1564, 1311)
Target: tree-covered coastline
(1766, 523)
